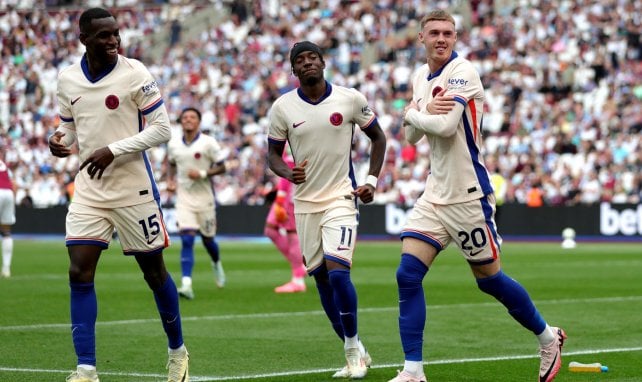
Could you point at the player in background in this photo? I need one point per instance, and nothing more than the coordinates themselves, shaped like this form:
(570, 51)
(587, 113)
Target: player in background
(7, 215)
(280, 227)
(458, 204)
(193, 159)
(318, 120)
(103, 101)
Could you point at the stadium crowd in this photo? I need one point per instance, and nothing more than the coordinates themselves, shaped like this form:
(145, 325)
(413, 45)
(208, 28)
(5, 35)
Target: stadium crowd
(564, 100)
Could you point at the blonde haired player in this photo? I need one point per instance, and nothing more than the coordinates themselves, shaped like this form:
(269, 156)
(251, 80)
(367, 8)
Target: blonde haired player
(318, 120)
(458, 204)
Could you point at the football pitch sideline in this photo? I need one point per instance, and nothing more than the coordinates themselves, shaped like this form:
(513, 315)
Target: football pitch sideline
(247, 332)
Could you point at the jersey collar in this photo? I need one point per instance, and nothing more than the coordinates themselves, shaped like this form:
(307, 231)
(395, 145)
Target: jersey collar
(84, 64)
(438, 72)
(328, 91)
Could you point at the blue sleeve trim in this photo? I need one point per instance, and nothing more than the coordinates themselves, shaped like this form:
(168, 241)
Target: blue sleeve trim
(153, 107)
(461, 100)
(275, 141)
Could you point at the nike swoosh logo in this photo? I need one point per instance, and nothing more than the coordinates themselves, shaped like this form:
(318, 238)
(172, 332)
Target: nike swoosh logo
(149, 241)
(295, 125)
(73, 101)
(543, 378)
(171, 321)
(475, 253)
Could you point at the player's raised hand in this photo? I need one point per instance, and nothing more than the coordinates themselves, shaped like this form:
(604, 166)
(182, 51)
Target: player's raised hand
(56, 147)
(97, 162)
(365, 193)
(441, 104)
(298, 172)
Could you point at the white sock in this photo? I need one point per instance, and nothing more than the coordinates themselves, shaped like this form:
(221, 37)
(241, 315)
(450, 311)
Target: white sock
(362, 348)
(547, 336)
(87, 367)
(7, 252)
(416, 368)
(351, 342)
(180, 349)
(186, 281)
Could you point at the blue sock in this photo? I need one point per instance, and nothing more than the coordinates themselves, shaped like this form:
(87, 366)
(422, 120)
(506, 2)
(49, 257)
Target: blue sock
(212, 247)
(84, 310)
(345, 299)
(187, 254)
(412, 306)
(326, 295)
(515, 298)
(167, 303)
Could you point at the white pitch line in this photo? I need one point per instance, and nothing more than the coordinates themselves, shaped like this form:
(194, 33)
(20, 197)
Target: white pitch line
(251, 316)
(316, 371)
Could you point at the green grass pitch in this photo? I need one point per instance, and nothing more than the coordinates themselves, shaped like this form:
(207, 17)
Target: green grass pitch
(247, 332)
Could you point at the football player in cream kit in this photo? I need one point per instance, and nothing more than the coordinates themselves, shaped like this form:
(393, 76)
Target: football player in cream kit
(112, 108)
(318, 120)
(193, 159)
(458, 205)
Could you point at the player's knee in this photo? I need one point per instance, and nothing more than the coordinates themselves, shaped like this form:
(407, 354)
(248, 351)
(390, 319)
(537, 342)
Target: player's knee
(155, 278)
(207, 239)
(321, 275)
(493, 285)
(187, 240)
(79, 275)
(270, 231)
(411, 271)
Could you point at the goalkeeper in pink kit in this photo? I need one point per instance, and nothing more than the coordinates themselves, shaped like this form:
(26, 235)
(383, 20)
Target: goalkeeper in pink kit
(281, 229)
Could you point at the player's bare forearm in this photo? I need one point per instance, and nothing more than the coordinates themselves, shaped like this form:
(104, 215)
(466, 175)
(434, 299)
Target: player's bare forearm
(377, 149)
(276, 163)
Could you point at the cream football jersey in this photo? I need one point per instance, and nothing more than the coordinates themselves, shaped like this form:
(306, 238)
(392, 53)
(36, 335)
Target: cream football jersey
(121, 108)
(321, 132)
(457, 170)
(203, 152)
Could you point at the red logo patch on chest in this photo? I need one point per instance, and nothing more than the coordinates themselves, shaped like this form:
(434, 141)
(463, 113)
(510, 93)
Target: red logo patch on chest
(436, 90)
(197, 155)
(112, 102)
(336, 119)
